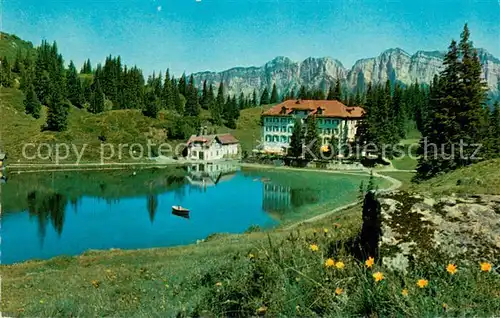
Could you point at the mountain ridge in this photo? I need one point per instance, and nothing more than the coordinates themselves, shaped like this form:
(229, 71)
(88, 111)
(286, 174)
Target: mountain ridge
(394, 64)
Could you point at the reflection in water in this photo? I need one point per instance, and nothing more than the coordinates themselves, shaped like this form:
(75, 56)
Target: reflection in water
(280, 199)
(203, 175)
(45, 206)
(152, 206)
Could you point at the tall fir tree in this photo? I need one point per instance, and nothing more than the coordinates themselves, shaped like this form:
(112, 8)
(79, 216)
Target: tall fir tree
(179, 106)
(337, 92)
(274, 95)
(296, 140)
(254, 98)
(167, 95)
(57, 114)
(312, 141)
(264, 99)
(97, 98)
(192, 107)
(74, 86)
(216, 112)
(183, 85)
(493, 139)
(32, 105)
(6, 76)
(398, 115)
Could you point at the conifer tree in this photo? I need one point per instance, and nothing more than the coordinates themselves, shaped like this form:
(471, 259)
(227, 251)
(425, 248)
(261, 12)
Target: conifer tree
(494, 131)
(57, 114)
(216, 112)
(86, 68)
(183, 85)
(204, 96)
(312, 140)
(254, 98)
(179, 107)
(192, 107)
(32, 105)
(337, 92)
(398, 117)
(241, 101)
(303, 93)
(74, 86)
(331, 92)
(152, 104)
(97, 98)
(18, 62)
(296, 140)
(167, 95)
(6, 77)
(274, 95)
(264, 99)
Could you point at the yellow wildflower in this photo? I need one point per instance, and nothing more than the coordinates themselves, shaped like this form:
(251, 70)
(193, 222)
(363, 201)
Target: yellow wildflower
(451, 268)
(261, 310)
(325, 230)
(485, 266)
(96, 283)
(251, 256)
(445, 306)
(404, 292)
(339, 265)
(314, 247)
(422, 283)
(378, 276)
(218, 284)
(369, 262)
(42, 301)
(338, 290)
(329, 263)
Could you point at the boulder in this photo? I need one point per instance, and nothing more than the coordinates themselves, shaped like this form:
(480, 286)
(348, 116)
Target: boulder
(403, 229)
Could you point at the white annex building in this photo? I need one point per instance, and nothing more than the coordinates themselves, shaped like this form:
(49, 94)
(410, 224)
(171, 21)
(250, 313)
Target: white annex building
(212, 147)
(332, 117)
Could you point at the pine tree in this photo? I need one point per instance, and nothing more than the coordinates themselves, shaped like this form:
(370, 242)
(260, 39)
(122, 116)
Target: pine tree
(398, 116)
(32, 105)
(192, 107)
(18, 62)
(274, 95)
(179, 107)
(241, 101)
(264, 99)
(494, 131)
(331, 92)
(216, 111)
(312, 139)
(57, 114)
(86, 68)
(152, 104)
(182, 85)
(303, 93)
(254, 98)
(296, 140)
(6, 77)
(97, 98)
(337, 92)
(471, 97)
(74, 86)
(167, 95)
(204, 96)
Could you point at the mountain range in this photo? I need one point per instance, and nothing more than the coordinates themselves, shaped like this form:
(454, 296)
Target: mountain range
(392, 64)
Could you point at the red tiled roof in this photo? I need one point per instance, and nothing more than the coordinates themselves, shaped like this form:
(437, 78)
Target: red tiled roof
(329, 108)
(225, 139)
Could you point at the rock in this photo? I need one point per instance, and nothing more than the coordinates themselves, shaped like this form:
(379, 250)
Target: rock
(392, 64)
(403, 229)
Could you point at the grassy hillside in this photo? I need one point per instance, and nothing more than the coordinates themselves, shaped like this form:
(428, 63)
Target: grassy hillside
(480, 178)
(11, 44)
(124, 127)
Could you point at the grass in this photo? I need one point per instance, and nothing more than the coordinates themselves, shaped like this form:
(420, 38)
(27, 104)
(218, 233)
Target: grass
(274, 273)
(479, 178)
(118, 127)
(10, 44)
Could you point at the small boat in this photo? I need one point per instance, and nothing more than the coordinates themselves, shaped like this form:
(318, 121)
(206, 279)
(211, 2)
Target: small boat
(179, 209)
(181, 214)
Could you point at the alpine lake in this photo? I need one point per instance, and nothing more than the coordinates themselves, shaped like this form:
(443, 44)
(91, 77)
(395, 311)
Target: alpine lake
(47, 214)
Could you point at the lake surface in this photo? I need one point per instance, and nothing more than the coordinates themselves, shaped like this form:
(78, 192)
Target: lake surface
(66, 213)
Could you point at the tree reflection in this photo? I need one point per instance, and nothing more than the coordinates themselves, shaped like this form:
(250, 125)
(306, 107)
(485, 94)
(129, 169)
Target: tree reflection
(47, 206)
(152, 202)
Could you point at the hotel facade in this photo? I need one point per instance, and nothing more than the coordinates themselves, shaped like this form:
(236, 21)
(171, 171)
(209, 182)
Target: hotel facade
(333, 120)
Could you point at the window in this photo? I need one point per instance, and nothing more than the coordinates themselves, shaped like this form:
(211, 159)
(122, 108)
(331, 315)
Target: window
(276, 129)
(276, 138)
(321, 121)
(283, 138)
(290, 129)
(268, 138)
(283, 129)
(283, 120)
(336, 122)
(328, 131)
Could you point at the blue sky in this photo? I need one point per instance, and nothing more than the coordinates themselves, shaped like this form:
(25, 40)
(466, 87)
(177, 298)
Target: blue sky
(186, 35)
